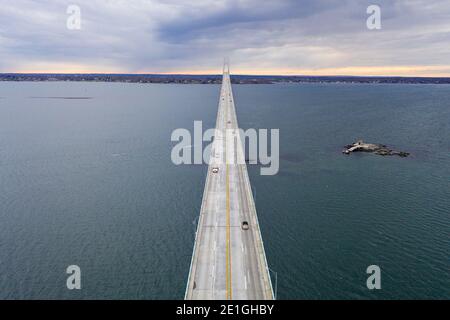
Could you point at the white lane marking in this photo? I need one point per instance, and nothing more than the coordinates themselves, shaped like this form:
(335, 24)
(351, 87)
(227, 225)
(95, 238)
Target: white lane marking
(213, 277)
(242, 246)
(245, 285)
(213, 285)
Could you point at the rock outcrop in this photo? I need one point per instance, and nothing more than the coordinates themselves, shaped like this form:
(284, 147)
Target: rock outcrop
(380, 149)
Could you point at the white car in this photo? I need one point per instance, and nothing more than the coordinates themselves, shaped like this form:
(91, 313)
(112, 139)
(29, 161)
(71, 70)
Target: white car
(215, 170)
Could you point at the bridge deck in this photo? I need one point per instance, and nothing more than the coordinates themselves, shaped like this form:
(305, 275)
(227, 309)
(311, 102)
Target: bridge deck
(228, 262)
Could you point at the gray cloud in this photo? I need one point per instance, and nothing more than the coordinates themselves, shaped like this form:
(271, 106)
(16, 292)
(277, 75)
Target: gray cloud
(171, 36)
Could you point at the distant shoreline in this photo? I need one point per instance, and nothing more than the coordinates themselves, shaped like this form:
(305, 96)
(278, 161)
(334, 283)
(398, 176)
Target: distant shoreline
(217, 79)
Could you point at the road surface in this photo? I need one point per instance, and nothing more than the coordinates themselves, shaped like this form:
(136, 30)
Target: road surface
(228, 262)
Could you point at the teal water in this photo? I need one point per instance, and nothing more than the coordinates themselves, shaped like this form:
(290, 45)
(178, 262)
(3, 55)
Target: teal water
(90, 182)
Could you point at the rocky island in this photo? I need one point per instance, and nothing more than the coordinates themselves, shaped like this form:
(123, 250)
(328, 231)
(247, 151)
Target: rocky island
(380, 149)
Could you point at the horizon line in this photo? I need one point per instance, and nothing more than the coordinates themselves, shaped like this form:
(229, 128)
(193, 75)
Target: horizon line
(219, 74)
(424, 71)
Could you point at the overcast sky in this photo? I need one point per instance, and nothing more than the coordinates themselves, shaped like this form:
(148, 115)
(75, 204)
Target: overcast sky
(259, 37)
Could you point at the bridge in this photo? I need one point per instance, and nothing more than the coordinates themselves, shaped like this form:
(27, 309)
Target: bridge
(228, 260)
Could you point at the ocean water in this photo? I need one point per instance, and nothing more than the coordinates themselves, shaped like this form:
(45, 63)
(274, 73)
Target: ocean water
(90, 182)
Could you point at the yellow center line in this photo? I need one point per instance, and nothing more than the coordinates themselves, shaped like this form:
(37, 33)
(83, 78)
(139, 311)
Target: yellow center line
(228, 240)
(228, 247)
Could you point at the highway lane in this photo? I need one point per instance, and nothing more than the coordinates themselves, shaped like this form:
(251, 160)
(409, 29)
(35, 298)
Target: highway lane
(228, 262)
